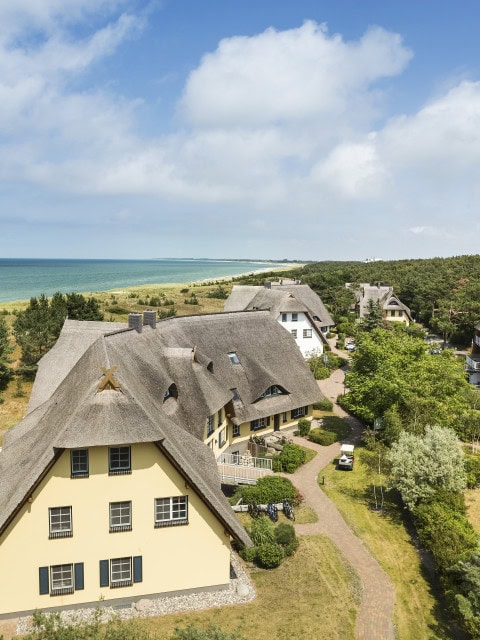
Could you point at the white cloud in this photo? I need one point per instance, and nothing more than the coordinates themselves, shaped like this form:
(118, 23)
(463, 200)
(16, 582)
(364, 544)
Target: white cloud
(291, 76)
(281, 123)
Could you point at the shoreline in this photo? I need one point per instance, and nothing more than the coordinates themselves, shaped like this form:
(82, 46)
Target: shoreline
(288, 267)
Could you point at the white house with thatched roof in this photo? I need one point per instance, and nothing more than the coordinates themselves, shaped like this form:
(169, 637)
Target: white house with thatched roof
(295, 306)
(393, 309)
(109, 486)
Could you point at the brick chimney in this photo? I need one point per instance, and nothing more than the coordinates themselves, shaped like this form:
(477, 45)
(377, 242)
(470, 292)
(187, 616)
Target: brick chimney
(135, 321)
(150, 318)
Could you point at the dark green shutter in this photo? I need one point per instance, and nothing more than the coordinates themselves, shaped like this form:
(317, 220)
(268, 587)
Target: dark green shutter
(268, 421)
(104, 578)
(78, 576)
(137, 569)
(43, 580)
(292, 415)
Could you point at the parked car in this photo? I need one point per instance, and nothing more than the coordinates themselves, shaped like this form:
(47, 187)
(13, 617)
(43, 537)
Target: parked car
(346, 459)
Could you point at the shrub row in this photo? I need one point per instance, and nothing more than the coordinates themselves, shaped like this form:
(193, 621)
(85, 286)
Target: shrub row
(268, 489)
(444, 529)
(323, 405)
(320, 436)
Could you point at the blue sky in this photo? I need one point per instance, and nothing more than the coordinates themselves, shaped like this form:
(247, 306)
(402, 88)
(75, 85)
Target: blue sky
(342, 129)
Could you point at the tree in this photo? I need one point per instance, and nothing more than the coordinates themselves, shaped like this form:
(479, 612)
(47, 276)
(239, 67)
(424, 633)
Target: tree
(392, 371)
(5, 351)
(37, 328)
(374, 316)
(421, 465)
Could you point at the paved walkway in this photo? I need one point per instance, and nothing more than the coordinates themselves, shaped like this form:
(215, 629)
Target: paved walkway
(374, 619)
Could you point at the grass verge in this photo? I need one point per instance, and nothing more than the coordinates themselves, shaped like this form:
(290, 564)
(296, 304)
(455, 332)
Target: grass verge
(311, 595)
(417, 613)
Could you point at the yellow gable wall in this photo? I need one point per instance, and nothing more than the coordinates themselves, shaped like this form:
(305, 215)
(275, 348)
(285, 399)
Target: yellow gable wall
(174, 558)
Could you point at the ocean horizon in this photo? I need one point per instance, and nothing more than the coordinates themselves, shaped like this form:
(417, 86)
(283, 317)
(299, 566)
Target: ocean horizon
(24, 278)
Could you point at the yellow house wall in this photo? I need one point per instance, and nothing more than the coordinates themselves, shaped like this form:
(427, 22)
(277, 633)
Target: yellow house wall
(174, 558)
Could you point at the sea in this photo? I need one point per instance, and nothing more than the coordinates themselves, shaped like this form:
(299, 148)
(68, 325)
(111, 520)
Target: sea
(22, 279)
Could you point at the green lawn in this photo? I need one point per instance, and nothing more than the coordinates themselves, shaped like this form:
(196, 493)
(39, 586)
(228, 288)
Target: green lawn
(417, 612)
(312, 596)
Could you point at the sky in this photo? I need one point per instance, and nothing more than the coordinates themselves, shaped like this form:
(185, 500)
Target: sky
(308, 130)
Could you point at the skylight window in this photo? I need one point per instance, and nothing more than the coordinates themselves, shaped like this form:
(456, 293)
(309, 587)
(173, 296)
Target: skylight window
(233, 357)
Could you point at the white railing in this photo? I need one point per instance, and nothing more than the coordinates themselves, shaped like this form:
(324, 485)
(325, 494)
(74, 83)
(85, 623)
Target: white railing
(245, 461)
(473, 364)
(232, 473)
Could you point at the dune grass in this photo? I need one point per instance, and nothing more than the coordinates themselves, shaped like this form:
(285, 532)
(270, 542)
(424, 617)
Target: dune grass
(417, 612)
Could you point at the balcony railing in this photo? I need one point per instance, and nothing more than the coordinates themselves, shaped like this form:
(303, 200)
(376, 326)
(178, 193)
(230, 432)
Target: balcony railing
(242, 469)
(473, 363)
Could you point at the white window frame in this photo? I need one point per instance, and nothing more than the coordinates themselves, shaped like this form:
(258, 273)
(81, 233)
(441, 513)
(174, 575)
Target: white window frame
(299, 412)
(294, 333)
(210, 425)
(234, 359)
(222, 437)
(294, 317)
(120, 511)
(76, 471)
(119, 469)
(122, 569)
(284, 317)
(174, 507)
(61, 579)
(307, 333)
(60, 522)
(235, 430)
(259, 423)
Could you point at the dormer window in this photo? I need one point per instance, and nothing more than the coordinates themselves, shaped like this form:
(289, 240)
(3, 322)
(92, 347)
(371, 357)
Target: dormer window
(210, 366)
(274, 390)
(171, 392)
(233, 357)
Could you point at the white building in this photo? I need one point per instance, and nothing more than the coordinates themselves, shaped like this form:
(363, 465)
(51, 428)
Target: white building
(294, 305)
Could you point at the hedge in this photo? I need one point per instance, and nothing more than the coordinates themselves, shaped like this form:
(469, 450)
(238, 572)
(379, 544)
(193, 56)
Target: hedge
(320, 436)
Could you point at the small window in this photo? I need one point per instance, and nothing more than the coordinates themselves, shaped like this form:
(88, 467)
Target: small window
(294, 317)
(60, 522)
(171, 392)
(120, 572)
(236, 430)
(222, 437)
(236, 395)
(299, 412)
(307, 333)
(272, 391)
(284, 416)
(220, 417)
(294, 333)
(284, 317)
(400, 313)
(120, 516)
(171, 511)
(79, 463)
(255, 425)
(61, 579)
(119, 461)
(210, 425)
(233, 357)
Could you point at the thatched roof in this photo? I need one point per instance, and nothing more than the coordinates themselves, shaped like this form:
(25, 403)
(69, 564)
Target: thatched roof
(190, 353)
(280, 298)
(382, 294)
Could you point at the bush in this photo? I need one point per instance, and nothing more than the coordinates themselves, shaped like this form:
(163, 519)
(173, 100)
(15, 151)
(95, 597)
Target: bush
(117, 310)
(218, 293)
(304, 427)
(268, 489)
(284, 534)
(262, 531)
(472, 469)
(292, 457)
(320, 436)
(276, 464)
(270, 555)
(249, 554)
(184, 290)
(289, 549)
(323, 405)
